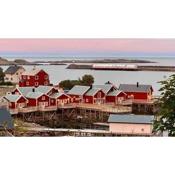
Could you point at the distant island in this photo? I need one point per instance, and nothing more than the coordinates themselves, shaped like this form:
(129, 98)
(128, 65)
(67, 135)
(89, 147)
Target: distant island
(4, 61)
(20, 61)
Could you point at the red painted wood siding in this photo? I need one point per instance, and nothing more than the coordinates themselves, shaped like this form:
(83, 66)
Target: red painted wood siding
(113, 99)
(43, 79)
(44, 98)
(90, 99)
(138, 95)
(75, 98)
(32, 102)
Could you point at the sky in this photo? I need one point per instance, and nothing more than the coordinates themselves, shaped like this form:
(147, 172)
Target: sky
(87, 47)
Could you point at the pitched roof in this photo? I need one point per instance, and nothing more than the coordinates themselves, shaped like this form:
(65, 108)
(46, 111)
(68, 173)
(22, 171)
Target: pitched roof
(134, 87)
(34, 95)
(25, 90)
(79, 90)
(106, 87)
(136, 119)
(92, 91)
(12, 97)
(58, 94)
(115, 93)
(44, 89)
(32, 72)
(6, 118)
(13, 69)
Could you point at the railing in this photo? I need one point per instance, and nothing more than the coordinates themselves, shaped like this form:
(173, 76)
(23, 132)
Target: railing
(27, 109)
(105, 108)
(49, 108)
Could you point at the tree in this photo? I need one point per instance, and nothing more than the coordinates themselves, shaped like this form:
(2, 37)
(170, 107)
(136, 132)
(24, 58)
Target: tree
(66, 84)
(166, 116)
(1, 75)
(87, 80)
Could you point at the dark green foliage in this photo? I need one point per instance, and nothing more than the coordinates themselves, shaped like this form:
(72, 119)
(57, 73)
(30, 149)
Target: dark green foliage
(86, 80)
(166, 115)
(8, 83)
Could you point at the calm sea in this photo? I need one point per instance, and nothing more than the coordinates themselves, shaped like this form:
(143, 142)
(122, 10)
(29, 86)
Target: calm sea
(59, 72)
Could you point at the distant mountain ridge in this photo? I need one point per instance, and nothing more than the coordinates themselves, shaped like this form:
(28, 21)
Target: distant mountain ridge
(4, 61)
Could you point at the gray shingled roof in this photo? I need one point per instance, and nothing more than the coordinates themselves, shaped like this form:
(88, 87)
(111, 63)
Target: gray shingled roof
(79, 90)
(44, 89)
(25, 90)
(34, 95)
(58, 94)
(5, 119)
(137, 119)
(134, 87)
(32, 72)
(12, 97)
(92, 91)
(114, 93)
(106, 87)
(12, 69)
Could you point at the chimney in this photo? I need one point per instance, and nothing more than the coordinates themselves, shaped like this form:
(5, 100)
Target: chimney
(33, 90)
(137, 84)
(90, 86)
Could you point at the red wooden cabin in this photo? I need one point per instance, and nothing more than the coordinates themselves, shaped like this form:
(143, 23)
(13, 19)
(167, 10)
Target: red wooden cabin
(137, 91)
(58, 99)
(35, 77)
(116, 97)
(16, 101)
(77, 93)
(38, 99)
(95, 95)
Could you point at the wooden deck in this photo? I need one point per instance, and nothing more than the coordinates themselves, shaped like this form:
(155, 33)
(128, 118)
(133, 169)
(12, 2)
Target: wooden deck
(101, 107)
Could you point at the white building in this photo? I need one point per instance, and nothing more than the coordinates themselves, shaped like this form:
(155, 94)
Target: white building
(13, 74)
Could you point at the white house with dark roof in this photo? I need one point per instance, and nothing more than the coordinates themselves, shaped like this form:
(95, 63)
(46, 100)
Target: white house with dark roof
(13, 74)
(129, 124)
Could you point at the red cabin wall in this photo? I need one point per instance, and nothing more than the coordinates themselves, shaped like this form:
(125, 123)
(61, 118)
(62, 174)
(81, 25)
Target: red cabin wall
(88, 99)
(45, 99)
(31, 102)
(74, 98)
(138, 95)
(112, 99)
(32, 81)
(52, 102)
(12, 105)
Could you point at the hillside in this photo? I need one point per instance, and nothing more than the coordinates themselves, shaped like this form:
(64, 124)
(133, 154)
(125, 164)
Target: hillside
(4, 61)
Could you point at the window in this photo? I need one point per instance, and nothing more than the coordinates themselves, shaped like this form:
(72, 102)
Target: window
(36, 77)
(46, 77)
(28, 77)
(99, 95)
(43, 98)
(27, 83)
(24, 77)
(45, 83)
(12, 79)
(36, 83)
(16, 73)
